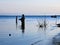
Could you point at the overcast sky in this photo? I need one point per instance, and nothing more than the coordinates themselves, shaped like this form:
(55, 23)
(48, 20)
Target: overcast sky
(30, 6)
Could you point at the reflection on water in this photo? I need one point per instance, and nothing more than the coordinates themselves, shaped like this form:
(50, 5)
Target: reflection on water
(22, 19)
(38, 31)
(20, 27)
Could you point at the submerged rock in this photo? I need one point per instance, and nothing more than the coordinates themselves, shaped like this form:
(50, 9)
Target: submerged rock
(9, 34)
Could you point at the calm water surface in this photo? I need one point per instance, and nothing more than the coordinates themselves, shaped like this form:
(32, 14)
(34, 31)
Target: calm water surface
(32, 33)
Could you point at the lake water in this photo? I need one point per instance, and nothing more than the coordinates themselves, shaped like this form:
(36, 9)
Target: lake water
(32, 35)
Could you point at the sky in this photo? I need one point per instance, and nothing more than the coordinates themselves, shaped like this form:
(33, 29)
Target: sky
(30, 7)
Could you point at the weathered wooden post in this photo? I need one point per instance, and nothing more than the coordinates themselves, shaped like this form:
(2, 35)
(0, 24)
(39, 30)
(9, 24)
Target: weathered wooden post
(16, 19)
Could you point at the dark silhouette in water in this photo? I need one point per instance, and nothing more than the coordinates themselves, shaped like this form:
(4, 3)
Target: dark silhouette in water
(23, 30)
(16, 21)
(22, 23)
(9, 34)
(58, 25)
(54, 16)
(41, 25)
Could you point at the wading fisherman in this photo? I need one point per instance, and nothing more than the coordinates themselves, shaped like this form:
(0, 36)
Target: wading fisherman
(22, 22)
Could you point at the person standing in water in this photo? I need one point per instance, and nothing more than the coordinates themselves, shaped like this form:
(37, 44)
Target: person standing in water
(22, 22)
